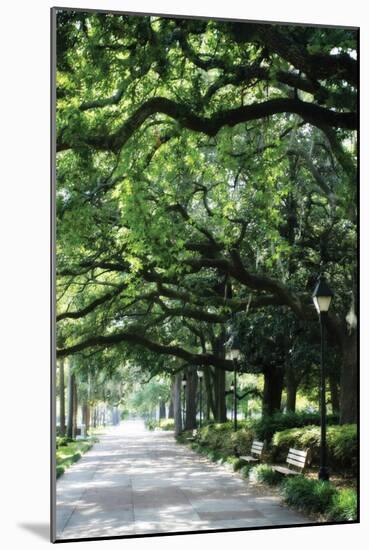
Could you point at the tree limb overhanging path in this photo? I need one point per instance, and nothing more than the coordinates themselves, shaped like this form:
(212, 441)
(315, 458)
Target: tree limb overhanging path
(204, 169)
(314, 114)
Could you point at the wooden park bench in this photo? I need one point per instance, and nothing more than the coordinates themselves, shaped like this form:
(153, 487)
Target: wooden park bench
(295, 458)
(255, 453)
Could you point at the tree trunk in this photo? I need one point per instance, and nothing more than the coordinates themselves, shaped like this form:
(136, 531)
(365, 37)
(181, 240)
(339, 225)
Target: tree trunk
(335, 394)
(89, 408)
(177, 387)
(84, 415)
(272, 393)
(171, 402)
(220, 397)
(291, 397)
(88, 417)
(75, 408)
(191, 405)
(210, 406)
(162, 411)
(70, 403)
(349, 389)
(171, 408)
(62, 397)
(291, 387)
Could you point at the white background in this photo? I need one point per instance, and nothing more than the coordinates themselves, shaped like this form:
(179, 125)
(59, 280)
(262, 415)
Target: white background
(24, 273)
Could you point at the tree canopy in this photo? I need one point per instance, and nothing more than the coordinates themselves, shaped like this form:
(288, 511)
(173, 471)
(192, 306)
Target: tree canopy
(205, 168)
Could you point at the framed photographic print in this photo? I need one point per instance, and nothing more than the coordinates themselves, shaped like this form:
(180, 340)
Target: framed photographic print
(204, 373)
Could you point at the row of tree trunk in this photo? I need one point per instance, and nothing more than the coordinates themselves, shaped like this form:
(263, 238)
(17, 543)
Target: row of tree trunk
(91, 416)
(214, 395)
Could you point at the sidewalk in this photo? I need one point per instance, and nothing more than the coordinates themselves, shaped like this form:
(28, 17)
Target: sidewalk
(135, 482)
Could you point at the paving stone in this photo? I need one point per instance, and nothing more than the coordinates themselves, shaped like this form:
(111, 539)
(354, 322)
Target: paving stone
(136, 482)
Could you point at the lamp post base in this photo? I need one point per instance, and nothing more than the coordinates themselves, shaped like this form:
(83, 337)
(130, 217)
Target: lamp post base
(324, 474)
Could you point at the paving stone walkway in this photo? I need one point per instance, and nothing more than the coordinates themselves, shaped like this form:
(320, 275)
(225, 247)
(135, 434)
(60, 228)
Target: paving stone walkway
(136, 482)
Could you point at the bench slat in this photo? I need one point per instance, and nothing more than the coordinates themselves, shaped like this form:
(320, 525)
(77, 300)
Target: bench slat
(291, 456)
(296, 452)
(296, 458)
(296, 463)
(284, 470)
(256, 451)
(249, 458)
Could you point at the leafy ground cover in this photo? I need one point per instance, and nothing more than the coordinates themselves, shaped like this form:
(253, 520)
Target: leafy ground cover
(164, 424)
(335, 500)
(69, 451)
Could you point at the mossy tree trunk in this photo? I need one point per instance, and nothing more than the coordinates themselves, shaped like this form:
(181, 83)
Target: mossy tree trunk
(70, 402)
(177, 403)
(335, 393)
(62, 397)
(162, 410)
(291, 388)
(220, 397)
(210, 406)
(191, 404)
(272, 392)
(348, 394)
(75, 408)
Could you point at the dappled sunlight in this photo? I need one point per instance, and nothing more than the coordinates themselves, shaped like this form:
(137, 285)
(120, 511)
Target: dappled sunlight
(149, 484)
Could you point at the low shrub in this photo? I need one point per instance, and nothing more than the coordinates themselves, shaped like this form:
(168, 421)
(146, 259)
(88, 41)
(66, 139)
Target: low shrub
(223, 438)
(238, 464)
(265, 474)
(66, 455)
(245, 470)
(59, 471)
(150, 424)
(163, 424)
(166, 424)
(344, 506)
(309, 495)
(267, 426)
(341, 444)
(242, 439)
(62, 441)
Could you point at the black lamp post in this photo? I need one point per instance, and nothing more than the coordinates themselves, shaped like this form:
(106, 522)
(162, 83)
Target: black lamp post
(200, 374)
(322, 297)
(234, 353)
(184, 383)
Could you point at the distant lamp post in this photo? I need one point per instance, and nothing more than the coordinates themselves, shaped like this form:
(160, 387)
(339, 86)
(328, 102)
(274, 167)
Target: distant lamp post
(322, 297)
(234, 354)
(184, 384)
(200, 374)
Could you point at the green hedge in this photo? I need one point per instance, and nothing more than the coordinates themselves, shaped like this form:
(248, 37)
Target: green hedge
(341, 440)
(341, 444)
(164, 424)
(266, 427)
(309, 495)
(344, 506)
(62, 441)
(150, 424)
(313, 495)
(222, 438)
(265, 474)
(67, 454)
